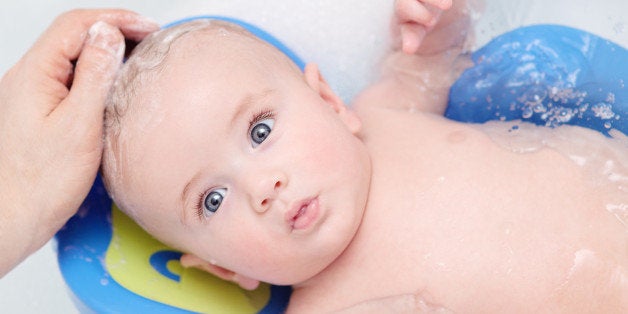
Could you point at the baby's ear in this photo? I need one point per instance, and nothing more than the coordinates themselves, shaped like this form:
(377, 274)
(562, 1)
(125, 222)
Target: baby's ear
(190, 260)
(315, 80)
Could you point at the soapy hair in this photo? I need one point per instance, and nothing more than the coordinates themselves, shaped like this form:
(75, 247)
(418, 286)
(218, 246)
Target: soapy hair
(144, 63)
(146, 60)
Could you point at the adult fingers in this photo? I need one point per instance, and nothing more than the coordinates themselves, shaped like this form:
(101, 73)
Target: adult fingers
(71, 28)
(49, 62)
(95, 71)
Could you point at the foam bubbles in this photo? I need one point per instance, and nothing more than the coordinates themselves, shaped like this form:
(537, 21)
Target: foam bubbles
(603, 111)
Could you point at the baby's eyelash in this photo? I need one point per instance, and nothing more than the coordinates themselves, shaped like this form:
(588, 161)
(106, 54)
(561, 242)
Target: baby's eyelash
(199, 205)
(255, 118)
(260, 115)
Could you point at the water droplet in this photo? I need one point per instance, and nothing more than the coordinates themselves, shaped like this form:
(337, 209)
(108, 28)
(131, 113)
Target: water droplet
(610, 98)
(527, 112)
(534, 95)
(603, 111)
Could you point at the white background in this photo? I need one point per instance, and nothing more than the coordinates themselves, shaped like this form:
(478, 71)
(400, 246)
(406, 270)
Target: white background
(345, 37)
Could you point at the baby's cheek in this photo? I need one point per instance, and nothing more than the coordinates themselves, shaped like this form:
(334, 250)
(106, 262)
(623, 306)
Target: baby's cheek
(256, 257)
(325, 154)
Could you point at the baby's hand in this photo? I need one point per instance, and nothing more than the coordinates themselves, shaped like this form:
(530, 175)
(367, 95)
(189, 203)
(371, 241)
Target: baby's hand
(414, 19)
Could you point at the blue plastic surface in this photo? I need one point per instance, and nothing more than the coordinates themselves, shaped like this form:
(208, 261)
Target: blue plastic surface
(548, 75)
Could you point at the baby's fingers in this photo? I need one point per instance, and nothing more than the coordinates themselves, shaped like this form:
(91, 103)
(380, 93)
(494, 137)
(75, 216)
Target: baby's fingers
(413, 11)
(441, 4)
(416, 18)
(411, 37)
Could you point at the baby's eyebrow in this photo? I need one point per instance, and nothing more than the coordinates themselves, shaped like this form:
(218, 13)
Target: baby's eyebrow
(248, 100)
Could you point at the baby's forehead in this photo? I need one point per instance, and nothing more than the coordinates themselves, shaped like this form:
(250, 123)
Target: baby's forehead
(226, 42)
(180, 54)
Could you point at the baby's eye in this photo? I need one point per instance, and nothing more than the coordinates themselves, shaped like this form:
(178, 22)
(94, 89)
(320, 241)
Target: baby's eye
(261, 130)
(213, 200)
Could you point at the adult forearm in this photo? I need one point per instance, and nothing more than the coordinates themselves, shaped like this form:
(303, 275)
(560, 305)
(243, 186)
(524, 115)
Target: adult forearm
(51, 116)
(16, 231)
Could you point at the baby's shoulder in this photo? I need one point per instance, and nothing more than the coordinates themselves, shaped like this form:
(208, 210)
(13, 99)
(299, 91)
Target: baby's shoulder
(414, 128)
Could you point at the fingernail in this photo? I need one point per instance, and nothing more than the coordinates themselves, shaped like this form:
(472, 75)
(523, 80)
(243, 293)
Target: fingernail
(107, 37)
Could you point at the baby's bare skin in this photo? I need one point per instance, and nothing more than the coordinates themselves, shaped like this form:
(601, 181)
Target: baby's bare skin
(471, 226)
(448, 217)
(468, 225)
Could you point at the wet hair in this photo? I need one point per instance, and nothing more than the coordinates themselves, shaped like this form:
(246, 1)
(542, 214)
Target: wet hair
(143, 67)
(144, 63)
(147, 59)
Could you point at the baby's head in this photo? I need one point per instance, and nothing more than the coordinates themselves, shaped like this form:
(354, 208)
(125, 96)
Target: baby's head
(218, 145)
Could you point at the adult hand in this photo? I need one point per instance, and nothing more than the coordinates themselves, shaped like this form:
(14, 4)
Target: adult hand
(51, 120)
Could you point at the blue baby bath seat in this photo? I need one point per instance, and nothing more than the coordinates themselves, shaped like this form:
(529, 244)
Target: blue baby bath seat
(547, 74)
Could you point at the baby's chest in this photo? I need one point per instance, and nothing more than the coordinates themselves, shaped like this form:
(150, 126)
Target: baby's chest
(465, 254)
(454, 216)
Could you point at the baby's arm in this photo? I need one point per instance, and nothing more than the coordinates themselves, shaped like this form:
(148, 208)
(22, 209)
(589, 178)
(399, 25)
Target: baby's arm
(429, 37)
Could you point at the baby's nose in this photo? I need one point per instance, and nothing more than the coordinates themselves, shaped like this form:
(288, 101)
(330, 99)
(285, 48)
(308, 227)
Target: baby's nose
(267, 190)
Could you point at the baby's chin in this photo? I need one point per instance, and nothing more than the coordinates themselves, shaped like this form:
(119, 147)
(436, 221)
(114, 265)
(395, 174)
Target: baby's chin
(297, 276)
(320, 263)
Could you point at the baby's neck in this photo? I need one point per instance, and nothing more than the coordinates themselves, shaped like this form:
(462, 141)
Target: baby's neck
(346, 265)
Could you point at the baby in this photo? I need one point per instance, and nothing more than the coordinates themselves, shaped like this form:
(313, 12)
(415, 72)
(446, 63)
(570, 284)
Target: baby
(218, 145)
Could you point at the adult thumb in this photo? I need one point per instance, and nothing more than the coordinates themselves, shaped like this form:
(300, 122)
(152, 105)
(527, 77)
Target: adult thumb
(95, 72)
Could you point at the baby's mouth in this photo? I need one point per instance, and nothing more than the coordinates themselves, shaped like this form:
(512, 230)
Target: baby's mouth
(303, 214)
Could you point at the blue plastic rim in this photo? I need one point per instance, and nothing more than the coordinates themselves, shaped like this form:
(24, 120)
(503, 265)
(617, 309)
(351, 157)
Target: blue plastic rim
(528, 62)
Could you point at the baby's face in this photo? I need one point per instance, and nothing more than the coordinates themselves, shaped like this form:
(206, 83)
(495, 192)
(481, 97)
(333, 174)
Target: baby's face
(241, 163)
